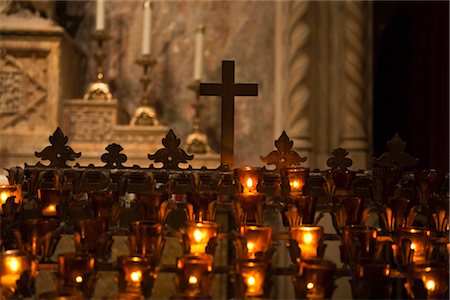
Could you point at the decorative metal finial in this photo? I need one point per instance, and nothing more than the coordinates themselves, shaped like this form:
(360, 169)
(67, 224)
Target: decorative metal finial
(99, 90)
(197, 141)
(145, 114)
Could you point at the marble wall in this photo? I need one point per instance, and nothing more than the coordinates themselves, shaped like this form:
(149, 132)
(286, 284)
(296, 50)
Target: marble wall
(240, 31)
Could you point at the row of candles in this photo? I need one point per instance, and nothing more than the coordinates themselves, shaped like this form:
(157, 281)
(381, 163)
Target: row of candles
(363, 248)
(147, 36)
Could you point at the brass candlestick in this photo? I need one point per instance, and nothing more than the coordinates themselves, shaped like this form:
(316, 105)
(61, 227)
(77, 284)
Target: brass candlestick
(197, 141)
(99, 90)
(145, 114)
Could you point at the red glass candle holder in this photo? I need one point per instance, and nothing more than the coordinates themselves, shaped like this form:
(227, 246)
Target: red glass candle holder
(427, 281)
(49, 200)
(199, 236)
(203, 206)
(17, 271)
(7, 191)
(136, 275)
(38, 237)
(146, 239)
(151, 203)
(347, 210)
(308, 239)
(256, 241)
(91, 236)
(77, 272)
(371, 280)
(293, 181)
(414, 245)
(103, 202)
(193, 278)
(299, 210)
(358, 241)
(316, 278)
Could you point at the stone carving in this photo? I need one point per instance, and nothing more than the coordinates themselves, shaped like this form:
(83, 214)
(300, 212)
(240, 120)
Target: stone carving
(298, 93)
(20, 93)
(354, 128)
(89, 124)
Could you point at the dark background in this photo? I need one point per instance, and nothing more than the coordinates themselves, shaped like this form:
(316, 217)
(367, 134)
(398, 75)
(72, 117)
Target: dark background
(411, 86)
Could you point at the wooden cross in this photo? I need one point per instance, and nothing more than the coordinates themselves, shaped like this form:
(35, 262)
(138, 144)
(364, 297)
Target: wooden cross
(227, 90)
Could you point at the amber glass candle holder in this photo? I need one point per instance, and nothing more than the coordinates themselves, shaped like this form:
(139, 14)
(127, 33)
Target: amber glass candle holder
(201, 206)
(76, 272)
(358, 241)
(146, 238)
(387, 179)
(255, 279)
(413, 244)
(307, 239)
(315, 279)
(38, 237)
(293, 181)
(248, 180)
(255, 242)
(151, 204)
(200, 237)
(7, 191)
(49, 200)
(371, 280)
(17, 274)
(103, 202)
(193, 278)
(91, 236)
(136, 275)
(427, 281)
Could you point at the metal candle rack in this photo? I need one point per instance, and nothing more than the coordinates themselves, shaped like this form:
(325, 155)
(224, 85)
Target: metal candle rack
(397, 260)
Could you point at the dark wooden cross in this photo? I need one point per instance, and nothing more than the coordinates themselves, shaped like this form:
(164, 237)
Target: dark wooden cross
(228, 90)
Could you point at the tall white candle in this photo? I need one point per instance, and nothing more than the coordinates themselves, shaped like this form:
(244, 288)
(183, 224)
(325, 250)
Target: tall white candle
(100, 15)
(147, 28)
(198, 61)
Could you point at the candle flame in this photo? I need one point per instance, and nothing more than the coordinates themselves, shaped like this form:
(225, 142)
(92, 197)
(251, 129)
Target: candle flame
(251, 281)
(136, 276)
(309, 285)
(192, 280)
(295, 184)
(430, 285)
(13, 264)
(412, 246)
(3, 197)
(250, 246)
(308, 238)
(249, 183)
(198, 235)
(78, 279)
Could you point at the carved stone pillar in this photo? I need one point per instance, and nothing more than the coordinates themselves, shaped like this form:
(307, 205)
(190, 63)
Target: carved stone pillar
(323, 78)
(292, 73)
(356, 120)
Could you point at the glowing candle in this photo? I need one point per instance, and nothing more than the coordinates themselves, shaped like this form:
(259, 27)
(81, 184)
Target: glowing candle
(257, 239)
(7, 191)
(194, 275)
(73, 267)
(133, 271)
(308, 238)
(199, 235)
(100, 15)
(198, 61)
(419, 239)
(254, 274)
(248, 179)
(49, 211)
(147, 29)
(12, 264)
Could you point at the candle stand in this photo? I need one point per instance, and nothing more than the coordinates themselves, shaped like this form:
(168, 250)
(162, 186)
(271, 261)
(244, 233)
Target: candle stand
(390, 259)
